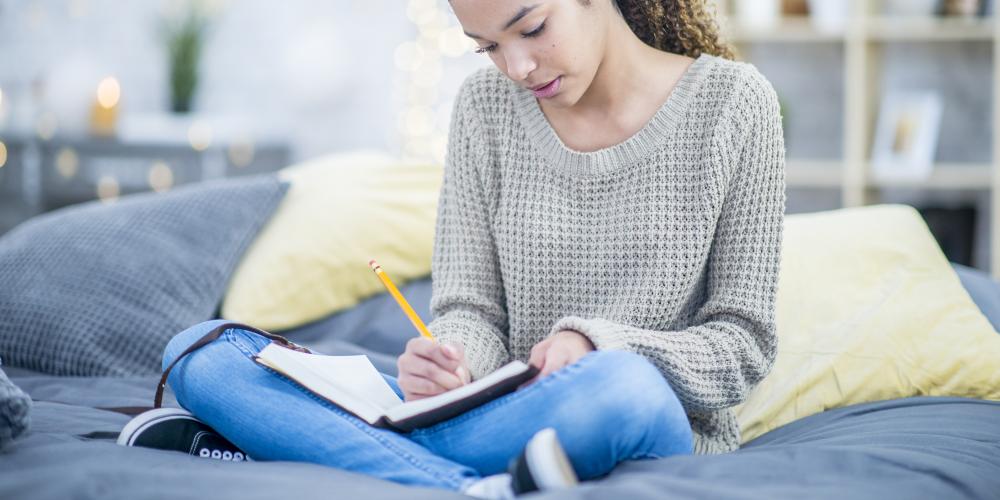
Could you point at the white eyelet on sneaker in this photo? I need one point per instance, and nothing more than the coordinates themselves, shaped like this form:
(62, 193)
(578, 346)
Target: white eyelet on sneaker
(223, 455)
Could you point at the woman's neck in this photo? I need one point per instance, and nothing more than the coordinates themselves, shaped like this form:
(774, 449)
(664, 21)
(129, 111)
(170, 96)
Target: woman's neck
(630, 71)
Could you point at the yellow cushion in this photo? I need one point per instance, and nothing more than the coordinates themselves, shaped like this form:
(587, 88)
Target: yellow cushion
(869, 309)
(341, 211)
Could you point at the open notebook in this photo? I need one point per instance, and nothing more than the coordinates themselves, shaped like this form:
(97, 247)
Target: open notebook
(353, 383)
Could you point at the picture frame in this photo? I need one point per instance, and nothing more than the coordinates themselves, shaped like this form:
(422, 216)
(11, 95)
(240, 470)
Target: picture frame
(906, 135)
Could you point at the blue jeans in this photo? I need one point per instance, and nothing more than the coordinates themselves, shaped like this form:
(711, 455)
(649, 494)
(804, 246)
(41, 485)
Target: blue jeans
(607, 407)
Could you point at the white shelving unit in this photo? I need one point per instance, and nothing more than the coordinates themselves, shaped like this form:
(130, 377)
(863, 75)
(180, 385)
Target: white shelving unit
(863, 41)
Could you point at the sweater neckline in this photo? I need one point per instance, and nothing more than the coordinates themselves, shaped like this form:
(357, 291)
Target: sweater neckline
(628, 152)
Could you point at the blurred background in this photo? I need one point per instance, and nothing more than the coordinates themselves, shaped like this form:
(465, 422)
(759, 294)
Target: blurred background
(883, 100)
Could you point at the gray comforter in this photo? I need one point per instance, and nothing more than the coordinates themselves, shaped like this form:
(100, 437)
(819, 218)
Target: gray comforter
(934, 448)
(910, 448)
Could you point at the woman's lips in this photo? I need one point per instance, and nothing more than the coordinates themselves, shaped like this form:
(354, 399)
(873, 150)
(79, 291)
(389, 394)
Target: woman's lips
(548, 90)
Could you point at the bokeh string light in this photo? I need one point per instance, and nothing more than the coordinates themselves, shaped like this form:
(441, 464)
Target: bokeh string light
(241, 151)
(160, 176)
(67, 162)
(422, 61)
(200, 135)
(108, 189)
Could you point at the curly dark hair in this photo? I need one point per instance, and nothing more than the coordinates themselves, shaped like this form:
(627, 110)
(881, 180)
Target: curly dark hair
(686, 27)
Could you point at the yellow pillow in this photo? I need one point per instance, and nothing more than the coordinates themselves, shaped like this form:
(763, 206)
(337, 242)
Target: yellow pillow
(869, 309)
(341, 211)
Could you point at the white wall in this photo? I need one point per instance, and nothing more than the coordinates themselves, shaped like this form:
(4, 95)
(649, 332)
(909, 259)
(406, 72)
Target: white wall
(320, 74)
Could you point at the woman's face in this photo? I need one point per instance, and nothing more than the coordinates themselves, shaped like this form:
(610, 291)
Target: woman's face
(539, 42)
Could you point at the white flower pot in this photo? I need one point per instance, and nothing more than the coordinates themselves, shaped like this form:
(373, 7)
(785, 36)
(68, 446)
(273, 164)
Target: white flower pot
(758, 13)
(911, 8)
(830, 16)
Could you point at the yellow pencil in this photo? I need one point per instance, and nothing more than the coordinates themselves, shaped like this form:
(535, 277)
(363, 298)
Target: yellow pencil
(417, 323)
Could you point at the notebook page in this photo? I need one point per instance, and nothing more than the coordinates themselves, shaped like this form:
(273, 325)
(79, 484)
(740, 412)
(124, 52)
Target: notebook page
(411, 408)
(352, 383)
(359, 377)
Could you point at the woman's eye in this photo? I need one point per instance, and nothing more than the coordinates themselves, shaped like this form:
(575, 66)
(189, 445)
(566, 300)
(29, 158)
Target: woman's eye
(532, 34)
(538, 31)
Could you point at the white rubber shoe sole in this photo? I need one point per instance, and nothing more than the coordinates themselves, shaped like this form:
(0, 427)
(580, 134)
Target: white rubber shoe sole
(147, 419)
(549, 465)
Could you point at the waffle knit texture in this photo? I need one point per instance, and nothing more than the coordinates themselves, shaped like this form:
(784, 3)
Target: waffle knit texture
(667, 244)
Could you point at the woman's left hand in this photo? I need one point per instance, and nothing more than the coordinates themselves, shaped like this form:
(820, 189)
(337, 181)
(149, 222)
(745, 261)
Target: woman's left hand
(563, 348)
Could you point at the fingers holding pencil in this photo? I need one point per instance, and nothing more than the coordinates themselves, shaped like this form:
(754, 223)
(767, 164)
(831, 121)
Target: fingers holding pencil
(457, 352)
(427, 368)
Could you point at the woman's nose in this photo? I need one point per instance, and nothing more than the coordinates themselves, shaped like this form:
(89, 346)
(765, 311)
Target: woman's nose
(520, 64)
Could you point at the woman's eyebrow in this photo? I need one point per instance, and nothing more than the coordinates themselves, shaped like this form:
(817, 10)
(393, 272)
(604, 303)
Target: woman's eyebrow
(517, 17)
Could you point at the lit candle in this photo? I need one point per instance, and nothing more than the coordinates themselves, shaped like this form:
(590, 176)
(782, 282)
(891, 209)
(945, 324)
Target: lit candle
(105, 112)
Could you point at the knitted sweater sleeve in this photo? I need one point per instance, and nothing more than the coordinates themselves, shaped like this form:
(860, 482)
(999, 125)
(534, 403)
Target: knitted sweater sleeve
(731, 343)
(468, 302)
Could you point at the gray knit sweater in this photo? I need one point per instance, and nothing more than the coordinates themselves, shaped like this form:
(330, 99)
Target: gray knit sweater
(666, 244)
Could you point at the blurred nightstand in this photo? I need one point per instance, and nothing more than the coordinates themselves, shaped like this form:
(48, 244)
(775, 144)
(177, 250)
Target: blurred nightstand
(42, 175)
(16, 202)
(73, 171)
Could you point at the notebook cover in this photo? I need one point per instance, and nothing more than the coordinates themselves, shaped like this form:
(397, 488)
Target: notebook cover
(455, 408)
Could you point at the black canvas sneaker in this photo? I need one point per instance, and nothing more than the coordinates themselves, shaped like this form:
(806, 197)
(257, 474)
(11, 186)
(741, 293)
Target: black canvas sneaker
(542, 465)
(178, 430)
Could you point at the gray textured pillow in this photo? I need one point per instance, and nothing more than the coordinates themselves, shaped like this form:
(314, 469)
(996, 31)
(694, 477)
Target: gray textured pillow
(97, 289)
(15, 409)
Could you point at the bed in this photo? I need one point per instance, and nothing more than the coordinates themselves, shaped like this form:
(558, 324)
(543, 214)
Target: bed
(92, 293)
(920, 447)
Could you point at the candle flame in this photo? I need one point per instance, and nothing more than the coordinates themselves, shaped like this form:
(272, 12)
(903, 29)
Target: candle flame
(108, 92)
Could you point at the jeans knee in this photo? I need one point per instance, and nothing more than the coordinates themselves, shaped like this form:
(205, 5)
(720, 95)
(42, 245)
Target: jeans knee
(636, 396)
(634, 381)
(628, 371)
(184, 339)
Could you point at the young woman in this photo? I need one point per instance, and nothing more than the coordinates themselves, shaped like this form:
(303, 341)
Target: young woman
(611, 212)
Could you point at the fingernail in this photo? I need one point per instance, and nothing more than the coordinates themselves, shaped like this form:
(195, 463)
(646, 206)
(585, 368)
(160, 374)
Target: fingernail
(449, 351)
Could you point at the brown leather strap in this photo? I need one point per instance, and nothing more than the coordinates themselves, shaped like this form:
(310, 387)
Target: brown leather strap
(205, 340)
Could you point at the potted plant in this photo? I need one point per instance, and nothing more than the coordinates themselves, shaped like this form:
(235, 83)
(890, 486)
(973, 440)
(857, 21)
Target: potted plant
(185, 36)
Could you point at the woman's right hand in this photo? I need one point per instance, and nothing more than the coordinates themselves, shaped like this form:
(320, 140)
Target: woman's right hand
(428, 368)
